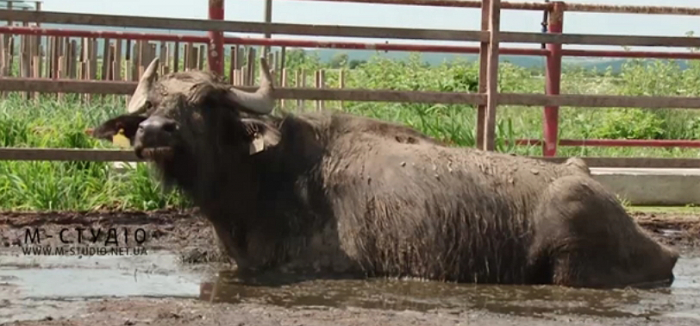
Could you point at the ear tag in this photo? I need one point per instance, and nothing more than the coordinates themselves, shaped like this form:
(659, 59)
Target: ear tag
(257, 145)
(120, 140)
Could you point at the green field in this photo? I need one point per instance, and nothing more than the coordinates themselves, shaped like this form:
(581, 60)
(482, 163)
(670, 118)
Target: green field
(48, 123)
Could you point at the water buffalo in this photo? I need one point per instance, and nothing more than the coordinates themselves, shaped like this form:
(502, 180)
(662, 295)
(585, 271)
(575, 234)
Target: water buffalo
(329, 192)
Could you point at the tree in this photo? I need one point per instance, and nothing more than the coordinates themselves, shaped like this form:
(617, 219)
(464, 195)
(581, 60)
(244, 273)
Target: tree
(354, 63)
(339, 60)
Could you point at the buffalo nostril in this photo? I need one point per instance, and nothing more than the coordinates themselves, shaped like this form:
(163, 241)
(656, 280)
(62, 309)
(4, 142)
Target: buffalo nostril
(169, 126)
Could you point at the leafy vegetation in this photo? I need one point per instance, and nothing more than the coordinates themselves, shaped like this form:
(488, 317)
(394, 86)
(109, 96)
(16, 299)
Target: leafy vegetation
(49, 123)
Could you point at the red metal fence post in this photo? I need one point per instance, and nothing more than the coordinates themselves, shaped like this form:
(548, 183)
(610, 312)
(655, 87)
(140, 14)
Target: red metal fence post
(216, 39)
(553, 81)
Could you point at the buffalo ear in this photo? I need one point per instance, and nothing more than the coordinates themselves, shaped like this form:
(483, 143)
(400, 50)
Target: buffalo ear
(260, 135)
(127, 122)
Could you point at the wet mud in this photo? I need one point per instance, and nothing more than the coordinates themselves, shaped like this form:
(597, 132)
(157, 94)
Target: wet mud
(169, 270)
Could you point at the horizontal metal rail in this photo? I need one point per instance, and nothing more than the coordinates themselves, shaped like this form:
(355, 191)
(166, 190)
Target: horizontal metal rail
(646, 10)
(600, 101)
(258, 41)
(445, 3)
(21, 30)
(592, 39)
(241, 27)
(45, 85)
(342, 31)
(101, 155)
(377, 46)
(617, 142)
(335, 44)
(67, 154)
(631, 54)
(574, 7)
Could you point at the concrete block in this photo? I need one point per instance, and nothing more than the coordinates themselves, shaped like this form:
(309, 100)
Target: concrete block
(658, 187)
(638, 186)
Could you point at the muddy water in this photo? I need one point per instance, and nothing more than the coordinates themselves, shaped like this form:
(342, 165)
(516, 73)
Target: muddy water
(32, 287)
(681, 300)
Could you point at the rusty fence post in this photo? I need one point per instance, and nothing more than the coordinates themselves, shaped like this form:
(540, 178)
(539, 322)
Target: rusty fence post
(483, 61)
(492, 75)
(553, 81)
(216, 39)
(268, 20)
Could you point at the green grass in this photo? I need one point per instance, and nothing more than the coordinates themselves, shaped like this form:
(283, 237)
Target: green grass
(681, 210)
(48, 123)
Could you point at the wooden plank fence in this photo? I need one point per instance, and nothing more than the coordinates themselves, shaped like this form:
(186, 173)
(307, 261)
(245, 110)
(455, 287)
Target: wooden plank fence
(50, 60)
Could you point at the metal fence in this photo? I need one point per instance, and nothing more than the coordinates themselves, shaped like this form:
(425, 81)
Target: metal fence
(487, 99)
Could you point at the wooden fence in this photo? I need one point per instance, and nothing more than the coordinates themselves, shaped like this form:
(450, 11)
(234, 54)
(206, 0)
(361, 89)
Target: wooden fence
(104, 59)
(63, 64)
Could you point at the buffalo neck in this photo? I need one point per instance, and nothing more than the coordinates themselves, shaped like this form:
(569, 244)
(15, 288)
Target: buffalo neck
(269, 202)
(288, 179)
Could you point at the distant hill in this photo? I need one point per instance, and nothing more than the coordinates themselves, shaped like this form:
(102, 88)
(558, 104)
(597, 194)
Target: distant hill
(431, 58)
(532, 62)
(616, 64)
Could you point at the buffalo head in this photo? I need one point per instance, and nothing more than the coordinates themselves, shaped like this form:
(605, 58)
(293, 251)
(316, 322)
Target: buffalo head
(186, 113)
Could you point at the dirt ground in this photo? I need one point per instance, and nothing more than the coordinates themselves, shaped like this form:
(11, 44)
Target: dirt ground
(186, 233)
(188, 312)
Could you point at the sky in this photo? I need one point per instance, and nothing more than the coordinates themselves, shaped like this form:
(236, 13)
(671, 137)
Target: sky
(353, 14)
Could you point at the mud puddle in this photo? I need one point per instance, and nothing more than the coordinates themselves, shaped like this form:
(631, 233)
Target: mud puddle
(32, 287)
(680, 300)
(89, 288)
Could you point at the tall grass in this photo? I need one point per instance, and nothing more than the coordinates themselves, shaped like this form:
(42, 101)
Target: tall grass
(48, 123)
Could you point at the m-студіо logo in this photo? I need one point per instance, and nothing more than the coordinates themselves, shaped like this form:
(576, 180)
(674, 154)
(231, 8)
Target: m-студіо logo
(85, 242)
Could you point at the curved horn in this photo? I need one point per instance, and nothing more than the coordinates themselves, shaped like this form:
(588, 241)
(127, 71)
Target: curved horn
(261, 101)
(138, 99)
